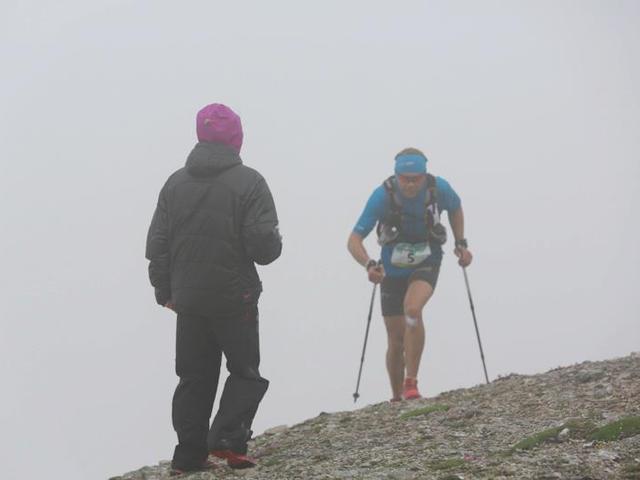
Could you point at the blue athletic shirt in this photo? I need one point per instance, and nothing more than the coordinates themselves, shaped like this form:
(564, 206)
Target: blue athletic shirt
(413, 221)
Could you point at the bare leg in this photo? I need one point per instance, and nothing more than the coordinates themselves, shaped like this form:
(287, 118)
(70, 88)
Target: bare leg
(395, 352)
(418, 294)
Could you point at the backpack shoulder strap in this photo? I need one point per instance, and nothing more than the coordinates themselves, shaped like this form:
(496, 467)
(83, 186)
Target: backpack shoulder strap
(392, 193)
(431, 213)
(388, 184)
(389, 225)
(432, 191)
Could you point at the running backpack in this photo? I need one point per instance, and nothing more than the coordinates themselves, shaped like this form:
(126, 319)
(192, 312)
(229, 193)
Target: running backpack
(389, 228)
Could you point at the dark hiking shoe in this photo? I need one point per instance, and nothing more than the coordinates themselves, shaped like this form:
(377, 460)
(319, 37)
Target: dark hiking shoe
(235, 460)
(207, 466)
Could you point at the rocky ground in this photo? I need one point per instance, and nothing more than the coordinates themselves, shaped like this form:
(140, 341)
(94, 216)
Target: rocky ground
(577, 422)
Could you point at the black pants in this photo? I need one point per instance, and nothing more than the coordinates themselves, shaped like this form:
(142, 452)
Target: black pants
(200, 342)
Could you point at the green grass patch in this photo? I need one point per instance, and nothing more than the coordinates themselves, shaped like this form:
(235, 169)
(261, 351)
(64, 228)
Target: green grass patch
(623, 428)
(538, 438)
(578, 428)
(425, 411)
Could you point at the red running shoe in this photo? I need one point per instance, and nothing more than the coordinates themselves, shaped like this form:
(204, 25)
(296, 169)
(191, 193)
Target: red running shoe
(410, 389)
(235, 460)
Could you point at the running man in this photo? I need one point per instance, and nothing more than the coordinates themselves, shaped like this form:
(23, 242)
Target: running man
(407, 209)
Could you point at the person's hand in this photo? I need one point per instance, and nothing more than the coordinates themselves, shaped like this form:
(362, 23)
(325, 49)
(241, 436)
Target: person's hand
(170, 306)
(375, 273)
(464, 256)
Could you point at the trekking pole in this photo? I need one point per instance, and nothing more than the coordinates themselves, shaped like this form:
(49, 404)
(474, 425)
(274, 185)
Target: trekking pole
(475, 322)
(356, 395)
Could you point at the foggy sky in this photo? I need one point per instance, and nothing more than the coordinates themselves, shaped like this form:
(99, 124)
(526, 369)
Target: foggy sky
(531, 110)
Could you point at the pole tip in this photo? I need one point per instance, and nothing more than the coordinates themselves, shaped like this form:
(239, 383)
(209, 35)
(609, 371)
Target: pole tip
(355, 397)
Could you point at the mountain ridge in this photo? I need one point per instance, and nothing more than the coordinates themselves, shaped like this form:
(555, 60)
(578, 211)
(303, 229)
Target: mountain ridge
(580, 422)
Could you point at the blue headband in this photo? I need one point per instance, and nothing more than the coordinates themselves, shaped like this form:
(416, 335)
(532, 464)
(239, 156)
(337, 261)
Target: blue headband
(411, 163)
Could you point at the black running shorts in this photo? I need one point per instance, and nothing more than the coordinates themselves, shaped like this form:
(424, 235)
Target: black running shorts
(393, 289)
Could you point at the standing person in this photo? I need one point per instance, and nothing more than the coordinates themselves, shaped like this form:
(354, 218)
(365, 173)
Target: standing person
(214, 220)
(407, 209)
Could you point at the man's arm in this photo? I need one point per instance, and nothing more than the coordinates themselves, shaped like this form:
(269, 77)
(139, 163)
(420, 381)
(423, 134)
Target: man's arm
(356, 248)
(456, 220)
(157, 252)
(367, 221)
(260, 234)
(372, 212)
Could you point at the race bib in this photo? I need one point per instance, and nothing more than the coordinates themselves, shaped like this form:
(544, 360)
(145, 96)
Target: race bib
(407, 255)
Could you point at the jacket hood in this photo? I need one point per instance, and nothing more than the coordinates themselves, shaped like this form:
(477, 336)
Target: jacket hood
(208, 159)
